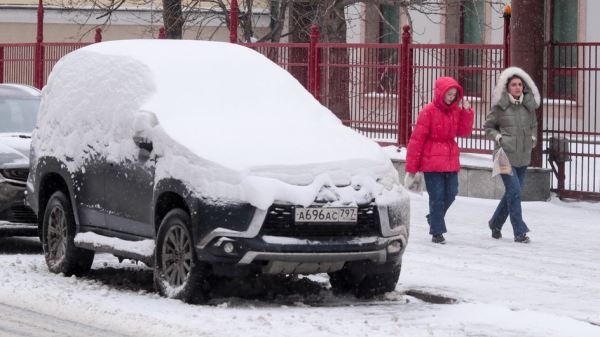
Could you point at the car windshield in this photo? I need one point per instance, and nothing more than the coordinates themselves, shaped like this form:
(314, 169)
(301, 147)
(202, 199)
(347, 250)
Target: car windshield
(18, 114)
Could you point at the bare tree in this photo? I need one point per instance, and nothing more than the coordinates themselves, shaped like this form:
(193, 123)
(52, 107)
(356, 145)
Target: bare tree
(199, 15)
(205, 15)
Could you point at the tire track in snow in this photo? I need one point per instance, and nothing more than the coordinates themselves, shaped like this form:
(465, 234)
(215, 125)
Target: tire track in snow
(19, 322)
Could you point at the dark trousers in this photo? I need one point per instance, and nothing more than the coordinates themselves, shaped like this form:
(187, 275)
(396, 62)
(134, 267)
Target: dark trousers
(442, 188)
(510, 204)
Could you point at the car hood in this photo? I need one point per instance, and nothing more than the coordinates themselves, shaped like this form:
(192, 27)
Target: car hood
(340, 172)
(14, 150)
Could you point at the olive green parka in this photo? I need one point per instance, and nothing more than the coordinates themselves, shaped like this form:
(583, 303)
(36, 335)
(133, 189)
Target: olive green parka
(516, 123)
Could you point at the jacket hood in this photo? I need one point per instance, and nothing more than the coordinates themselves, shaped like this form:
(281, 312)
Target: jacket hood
(442, 85)
(500, 96)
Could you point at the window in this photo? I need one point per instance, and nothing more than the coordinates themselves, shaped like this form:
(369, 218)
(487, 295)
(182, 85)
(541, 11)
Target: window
(563, 81)
(389, 32)
(472, 32)
(389, 26)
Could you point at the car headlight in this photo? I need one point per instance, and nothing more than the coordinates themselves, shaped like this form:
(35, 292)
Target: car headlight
(18, 174)
(394, 211)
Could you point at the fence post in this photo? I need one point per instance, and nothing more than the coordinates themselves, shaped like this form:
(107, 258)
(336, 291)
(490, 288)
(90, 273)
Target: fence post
(313, 63)
(39, 48)
(1, 64)
(98, 36)
(404, 89)
(161, 33)
(409, 91)
(506, 44)
(233, 22)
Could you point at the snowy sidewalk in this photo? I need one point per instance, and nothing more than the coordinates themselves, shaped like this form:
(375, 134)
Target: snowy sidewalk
(546, 282)
(549, 288)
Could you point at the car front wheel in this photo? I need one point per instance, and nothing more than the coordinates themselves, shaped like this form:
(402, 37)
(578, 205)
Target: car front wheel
(365, 284)
(177, 271)
(57, 239)
(378, 283)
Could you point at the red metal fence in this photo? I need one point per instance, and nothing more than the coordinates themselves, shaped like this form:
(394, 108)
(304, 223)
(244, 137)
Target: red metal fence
(361, 84)
(378, 89)
(476, 67)
(571, 114)
(19, 63)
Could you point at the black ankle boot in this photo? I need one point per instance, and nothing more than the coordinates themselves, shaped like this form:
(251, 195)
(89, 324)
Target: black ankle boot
(438, 239)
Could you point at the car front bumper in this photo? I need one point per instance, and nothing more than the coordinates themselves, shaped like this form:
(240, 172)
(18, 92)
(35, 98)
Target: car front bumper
(284, 255)
(16, 219)
(280, 254)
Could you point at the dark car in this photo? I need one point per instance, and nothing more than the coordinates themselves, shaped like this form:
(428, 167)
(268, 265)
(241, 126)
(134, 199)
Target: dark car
(208, 160)
(18, 112)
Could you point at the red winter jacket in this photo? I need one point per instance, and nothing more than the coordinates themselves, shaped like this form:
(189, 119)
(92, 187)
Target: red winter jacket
(432, 146)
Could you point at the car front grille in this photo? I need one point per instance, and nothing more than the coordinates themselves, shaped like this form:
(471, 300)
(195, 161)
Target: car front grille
(19, 174)
(20, 214)
(280, 222)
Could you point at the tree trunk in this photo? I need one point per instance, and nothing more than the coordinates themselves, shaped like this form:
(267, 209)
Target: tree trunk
(299, 22)
(335, 94)
(527, 52)
(246, 21)
(173, 19)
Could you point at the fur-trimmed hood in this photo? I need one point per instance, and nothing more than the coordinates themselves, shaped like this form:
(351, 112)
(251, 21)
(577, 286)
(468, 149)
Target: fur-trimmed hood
(500, 96)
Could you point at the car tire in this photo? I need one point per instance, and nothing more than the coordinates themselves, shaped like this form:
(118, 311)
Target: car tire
(344, 281)
(378, 283)
(364, 284)
(58, 233)
(177, 272)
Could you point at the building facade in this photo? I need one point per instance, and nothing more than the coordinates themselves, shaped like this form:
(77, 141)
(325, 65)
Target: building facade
(18, 22)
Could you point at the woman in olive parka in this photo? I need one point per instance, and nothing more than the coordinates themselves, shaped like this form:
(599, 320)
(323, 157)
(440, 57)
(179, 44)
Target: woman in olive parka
(512, 124)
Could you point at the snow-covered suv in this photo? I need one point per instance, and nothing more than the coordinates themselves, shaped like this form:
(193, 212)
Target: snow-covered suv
(206, 158)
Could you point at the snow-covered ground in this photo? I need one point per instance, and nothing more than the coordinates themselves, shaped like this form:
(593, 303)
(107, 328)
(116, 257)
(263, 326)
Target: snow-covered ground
(549, 287)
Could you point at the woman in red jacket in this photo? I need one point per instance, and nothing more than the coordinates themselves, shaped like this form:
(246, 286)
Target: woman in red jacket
(432, 149)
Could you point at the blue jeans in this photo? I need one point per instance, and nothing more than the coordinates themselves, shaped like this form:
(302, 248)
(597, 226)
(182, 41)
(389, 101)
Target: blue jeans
(510, 204)
(442, 188)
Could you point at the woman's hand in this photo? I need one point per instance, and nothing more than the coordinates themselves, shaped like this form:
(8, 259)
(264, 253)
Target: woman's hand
(414, 182)
(465, 104)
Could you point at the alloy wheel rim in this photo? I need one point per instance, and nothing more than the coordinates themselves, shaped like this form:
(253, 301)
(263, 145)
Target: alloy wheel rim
(57, 233)
(176, 256)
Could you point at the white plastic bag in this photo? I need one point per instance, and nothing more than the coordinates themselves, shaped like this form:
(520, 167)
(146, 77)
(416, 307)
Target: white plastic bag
(414, 183)
(501, 164)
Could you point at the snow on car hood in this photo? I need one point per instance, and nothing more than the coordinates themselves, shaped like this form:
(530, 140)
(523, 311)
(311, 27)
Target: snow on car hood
(223, 118)
(14, 150)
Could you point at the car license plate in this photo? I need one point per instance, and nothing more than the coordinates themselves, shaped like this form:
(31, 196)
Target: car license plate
(326, 214)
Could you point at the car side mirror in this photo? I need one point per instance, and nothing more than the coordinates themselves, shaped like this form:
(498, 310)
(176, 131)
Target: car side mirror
(145, 146)
(144, 121)
(143, 143)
